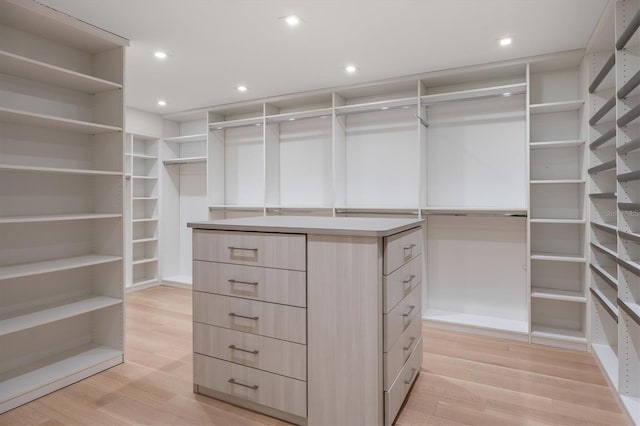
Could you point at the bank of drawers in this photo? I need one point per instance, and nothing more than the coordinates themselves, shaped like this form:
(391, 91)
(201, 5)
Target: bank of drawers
(402, 306)
(249, 312)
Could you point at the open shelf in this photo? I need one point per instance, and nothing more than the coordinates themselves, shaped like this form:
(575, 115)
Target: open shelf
(145, 219)
(608, 359)
(55, 170)
(143, 156)
(144, 260)
(57, 368)
(559, 221)
(602, 139)
(606, 303)
(604, 111)
(631, 309)
(606, 166)
(377, 106)
(144, 198)
(187, 138)
(557, 257)
(604, 196)
(187, 160)
(602, 74)
(558, 333)
(14, 116)
(55, 313)
(629, 117)
(144, 240)
(23, 67)
(556, 181)
(609, 249)
(555, 294)
(299, 115)
(605, 227)
(629, 31)
(35, 268)
(453, 210)
(145, 177)
(629, 176)
(58, 217)
(629, 147)
(605, 275)
(475, 94)
(230, 124)
(479, 321)
(552, 107)
(628, 89)
(144, 281)
(556, 144)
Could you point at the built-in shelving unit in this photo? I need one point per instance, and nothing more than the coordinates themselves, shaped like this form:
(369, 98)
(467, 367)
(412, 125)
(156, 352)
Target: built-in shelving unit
(142, 168)
(61, 166)
(614, 188)
(184, 154)
(558, 250)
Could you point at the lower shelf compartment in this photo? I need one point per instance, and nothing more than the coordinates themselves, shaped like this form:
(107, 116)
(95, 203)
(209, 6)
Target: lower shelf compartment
(53, 373)
(557, 333)
(476, 321)
(607, 357)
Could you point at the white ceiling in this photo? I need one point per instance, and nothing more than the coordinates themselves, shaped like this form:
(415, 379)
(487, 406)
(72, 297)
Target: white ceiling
(214, 45)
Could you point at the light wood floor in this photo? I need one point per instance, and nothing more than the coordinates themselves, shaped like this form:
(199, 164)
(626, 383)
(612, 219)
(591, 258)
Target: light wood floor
(465, 380)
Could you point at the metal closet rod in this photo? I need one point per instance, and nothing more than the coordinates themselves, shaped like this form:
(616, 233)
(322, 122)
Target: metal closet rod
(475, 214)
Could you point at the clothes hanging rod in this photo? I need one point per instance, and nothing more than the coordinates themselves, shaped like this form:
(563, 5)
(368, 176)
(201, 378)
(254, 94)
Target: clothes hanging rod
(475, 214)
(475, 98)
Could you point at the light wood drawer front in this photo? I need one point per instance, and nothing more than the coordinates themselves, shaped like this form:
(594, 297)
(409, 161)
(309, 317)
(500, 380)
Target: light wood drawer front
(251, 316)
(401, 248)
(394, 397)
(252, 282)
(400, 317)
(273, 355)
(271, 390)
(285, 251)
(401, 282)
(395, 359)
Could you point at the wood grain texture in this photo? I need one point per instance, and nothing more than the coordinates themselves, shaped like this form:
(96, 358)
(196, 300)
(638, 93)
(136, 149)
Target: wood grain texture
(395, 358)
(465, 380)
(273, 285)
(285, 251)
(400, 282)
(401, 316)
(401, 386)
(274, 355)
(345, 330)
(272, 320)
(401, 248)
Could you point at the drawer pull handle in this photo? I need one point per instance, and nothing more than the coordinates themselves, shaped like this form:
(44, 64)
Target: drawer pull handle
(233, 382)
(232, 281)
(406, 314)
(242, 248)
(406, 348)
(410, 379)
(233, 314)
(409, 247)
(235, 348)
(408, 280)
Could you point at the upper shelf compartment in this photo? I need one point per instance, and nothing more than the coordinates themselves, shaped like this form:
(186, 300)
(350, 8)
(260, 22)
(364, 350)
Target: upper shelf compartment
(21, 66)
(550, 107)
(476, 94)
(8, 115)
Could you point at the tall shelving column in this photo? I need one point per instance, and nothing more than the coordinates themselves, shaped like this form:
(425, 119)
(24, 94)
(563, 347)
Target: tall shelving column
(628, 196)
(144, 209)
(183, 188)
(557, 205)
(61, 198)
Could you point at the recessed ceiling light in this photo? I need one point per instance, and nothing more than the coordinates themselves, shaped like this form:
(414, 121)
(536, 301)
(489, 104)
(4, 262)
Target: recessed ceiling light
(242, 88)
(162, 102)
(160, 55)
(505, 41)
(292, 20)
(350, 69)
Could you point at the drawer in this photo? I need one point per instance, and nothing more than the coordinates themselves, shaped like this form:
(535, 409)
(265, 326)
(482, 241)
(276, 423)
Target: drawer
(251, 316)
(273, 355)
(400, 283)
(400, 317)
(400, 248)
(394, 397)
(286, 251)
(252, 282)
(399, 353)
(268, 389)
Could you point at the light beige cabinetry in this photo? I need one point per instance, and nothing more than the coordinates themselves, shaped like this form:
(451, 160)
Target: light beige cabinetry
(309, 319)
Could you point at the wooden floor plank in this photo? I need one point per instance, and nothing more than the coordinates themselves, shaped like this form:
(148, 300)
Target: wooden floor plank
(466, 380)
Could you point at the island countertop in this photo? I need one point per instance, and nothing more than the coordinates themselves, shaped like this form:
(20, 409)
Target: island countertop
(356, 226)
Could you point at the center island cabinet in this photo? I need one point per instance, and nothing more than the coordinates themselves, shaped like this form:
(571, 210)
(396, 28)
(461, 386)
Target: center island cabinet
(313, 320)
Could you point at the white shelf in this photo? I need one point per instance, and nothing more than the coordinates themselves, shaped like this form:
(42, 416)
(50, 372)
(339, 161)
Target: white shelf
(552, 107)
(145, 219)
(35, 268)
(59, 367)
(377, 106)
(187, 138)
(144, 177)
(144, 260)
(55, 313)
(235, 207)
(559, 221)
(608, 358)
(556, 144)
(179, 279)
(554, 294)
(609, 249)
(58, 217)
(632, 405)
(20, 66)
(144, 198)
(477, 210)
(557, 181)
(556, 333)
(186, 160)
(300, 115)
(144, 282)
(144, 240)
(468, 95)
(478, 321)
(14, 116)
(242, 122)
(143, 156)
(55, 170)
(558, 257)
